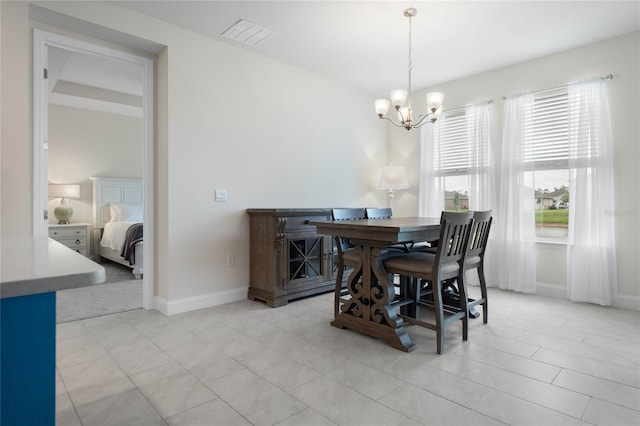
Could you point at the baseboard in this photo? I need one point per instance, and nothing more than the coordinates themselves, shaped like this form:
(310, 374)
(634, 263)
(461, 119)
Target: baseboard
(188, 304)
(551, 290)
(560, 292)
(628, 302)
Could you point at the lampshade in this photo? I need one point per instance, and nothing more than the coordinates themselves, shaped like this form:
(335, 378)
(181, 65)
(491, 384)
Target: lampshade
(434, 101)
(393, 177)
(64, 191)
(398, 97)
(382, 106)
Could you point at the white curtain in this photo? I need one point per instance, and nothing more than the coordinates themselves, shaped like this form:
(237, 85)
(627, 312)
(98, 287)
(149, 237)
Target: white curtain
(511, 259)
(591, 254)
(480, 166)
(431, 186)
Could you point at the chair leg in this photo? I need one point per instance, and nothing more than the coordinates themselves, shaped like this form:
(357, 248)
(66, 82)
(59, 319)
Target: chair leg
(483, 289)
(439, 314)
(337, 291)
(416, 284)
(406, 292)
(464, 306)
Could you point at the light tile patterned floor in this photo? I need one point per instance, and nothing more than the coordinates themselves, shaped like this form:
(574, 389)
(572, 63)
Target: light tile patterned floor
(539, 361)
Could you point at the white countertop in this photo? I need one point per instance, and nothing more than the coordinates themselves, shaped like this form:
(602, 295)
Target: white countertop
(33, 265)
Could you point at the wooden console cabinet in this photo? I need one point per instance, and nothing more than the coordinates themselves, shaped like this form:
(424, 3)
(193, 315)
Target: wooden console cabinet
(289, 260)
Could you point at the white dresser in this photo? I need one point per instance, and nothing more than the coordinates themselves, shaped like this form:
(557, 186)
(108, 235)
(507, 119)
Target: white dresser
(73, 235)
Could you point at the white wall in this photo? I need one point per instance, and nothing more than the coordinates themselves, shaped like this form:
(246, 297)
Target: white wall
(270, 134)
(619, 56)
(15, 122)
(84, 143)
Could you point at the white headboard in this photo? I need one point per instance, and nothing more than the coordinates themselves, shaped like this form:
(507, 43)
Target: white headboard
(113, 190)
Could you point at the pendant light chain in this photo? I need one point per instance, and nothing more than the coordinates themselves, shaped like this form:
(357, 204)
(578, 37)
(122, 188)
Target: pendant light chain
(410, 64)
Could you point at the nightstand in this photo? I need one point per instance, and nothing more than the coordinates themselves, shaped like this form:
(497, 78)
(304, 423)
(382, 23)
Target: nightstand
(73, 235)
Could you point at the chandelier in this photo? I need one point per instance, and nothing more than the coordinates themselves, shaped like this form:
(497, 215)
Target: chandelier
(399, 97)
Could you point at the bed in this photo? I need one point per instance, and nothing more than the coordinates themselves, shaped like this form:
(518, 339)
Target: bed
(117, 221)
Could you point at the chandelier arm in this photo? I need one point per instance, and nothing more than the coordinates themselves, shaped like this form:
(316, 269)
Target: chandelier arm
(403, 119)
(392, 122)
(420, 122)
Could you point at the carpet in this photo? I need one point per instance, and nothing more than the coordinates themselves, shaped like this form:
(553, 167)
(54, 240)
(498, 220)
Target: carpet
(119, 293)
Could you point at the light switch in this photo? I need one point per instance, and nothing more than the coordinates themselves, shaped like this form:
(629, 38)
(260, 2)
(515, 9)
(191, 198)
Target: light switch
(221, 195)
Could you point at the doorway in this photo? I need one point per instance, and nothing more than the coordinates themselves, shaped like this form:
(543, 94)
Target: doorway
(44, 42)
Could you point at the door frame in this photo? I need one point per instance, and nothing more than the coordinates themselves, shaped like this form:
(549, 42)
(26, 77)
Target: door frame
(42, 40)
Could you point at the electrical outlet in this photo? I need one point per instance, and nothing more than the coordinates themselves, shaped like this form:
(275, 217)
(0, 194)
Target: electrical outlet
(231, 260)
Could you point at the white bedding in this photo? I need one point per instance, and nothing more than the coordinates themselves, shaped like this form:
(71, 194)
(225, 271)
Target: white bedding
(114, 234)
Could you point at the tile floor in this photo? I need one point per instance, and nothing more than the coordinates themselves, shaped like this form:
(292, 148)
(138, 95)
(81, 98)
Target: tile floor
(539, 361)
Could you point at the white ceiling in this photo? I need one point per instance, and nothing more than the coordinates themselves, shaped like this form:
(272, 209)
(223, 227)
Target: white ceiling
(365, 43)
(92, 82)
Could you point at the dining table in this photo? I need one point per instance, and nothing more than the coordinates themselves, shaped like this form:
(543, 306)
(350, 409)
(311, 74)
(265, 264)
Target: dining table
(371, 309)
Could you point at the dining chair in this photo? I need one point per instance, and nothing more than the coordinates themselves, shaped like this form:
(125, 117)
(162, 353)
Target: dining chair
(387, 213)
(434, 268)
(346, 255)
(379, 213)
(474, 258)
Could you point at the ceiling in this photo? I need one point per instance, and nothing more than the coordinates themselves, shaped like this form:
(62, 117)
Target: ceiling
(92, 82)
(365, 43)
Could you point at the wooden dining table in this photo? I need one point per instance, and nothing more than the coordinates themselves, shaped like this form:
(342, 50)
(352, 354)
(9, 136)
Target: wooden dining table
(370, 310)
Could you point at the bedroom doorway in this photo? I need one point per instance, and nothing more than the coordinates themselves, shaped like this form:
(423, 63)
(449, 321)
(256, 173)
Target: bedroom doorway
(44, 43)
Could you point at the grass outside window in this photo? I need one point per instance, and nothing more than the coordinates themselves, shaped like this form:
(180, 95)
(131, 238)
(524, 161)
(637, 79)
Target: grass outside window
(552, 217)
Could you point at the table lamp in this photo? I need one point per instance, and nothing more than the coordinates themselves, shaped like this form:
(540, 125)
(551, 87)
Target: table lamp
(392, 177)
(63, 211)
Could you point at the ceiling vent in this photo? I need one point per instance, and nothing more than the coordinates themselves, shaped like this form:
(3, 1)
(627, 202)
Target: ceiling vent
(247, 33)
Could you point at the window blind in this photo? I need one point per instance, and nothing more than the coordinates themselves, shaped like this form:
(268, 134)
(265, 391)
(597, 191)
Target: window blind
(547, 137)
(451, 153)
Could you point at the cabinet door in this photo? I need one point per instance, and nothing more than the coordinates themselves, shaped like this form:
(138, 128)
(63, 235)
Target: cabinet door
(306, 260)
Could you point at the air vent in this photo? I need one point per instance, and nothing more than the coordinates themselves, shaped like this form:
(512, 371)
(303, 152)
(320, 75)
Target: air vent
(247, 33)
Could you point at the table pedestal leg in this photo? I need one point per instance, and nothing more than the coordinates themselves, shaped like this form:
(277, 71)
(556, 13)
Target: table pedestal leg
(369, 310)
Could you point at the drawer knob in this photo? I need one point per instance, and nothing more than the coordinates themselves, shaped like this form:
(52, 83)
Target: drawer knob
(77, 241)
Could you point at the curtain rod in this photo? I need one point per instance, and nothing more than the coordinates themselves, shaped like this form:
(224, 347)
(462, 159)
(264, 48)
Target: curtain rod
(606, 77)
(490, 101)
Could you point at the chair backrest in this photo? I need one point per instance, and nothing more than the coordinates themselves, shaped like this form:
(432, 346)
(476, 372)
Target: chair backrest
(455, 229)
(378, 213)
(479, 236)
(346, 214)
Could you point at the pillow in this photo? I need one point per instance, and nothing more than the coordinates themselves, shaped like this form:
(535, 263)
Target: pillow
(126, 212)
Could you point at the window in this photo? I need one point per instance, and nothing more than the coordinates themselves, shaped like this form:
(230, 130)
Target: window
(455, 167)
(452, 157)
(547, 154)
